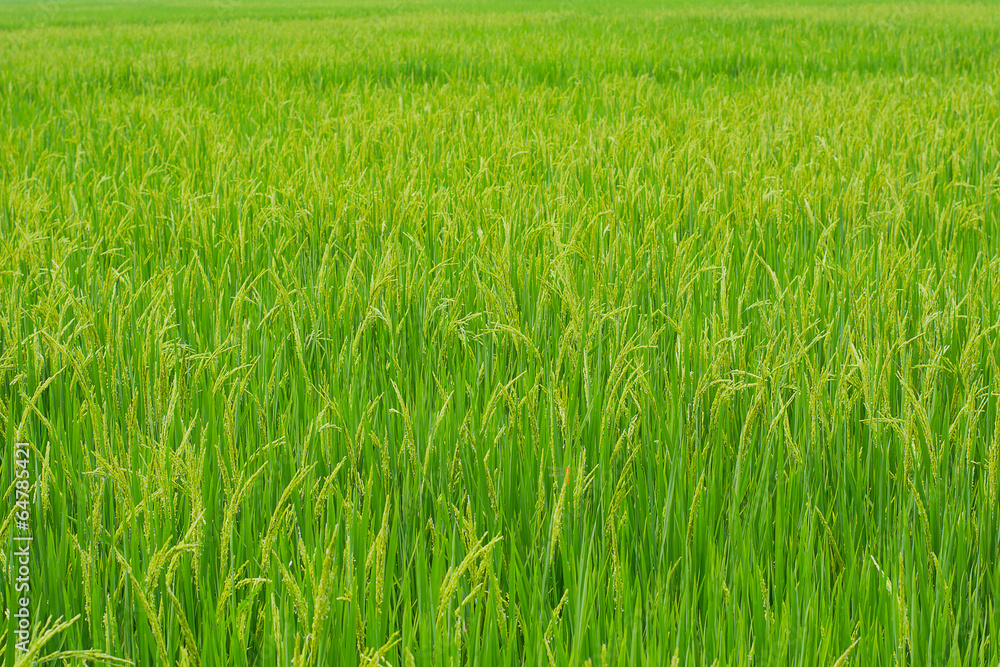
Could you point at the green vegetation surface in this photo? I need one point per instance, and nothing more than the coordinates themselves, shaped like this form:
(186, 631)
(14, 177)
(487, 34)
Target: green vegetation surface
(502, 334)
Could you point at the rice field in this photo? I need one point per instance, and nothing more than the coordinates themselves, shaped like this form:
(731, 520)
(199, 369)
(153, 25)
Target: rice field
(459, 332)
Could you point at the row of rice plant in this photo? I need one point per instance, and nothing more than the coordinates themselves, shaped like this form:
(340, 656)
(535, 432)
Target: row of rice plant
(479, 335)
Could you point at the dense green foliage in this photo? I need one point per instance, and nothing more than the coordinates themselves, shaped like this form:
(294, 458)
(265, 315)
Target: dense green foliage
(439, 335)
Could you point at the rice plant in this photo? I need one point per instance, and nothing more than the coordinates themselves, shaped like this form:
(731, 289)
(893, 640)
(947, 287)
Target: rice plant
(469, 333)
